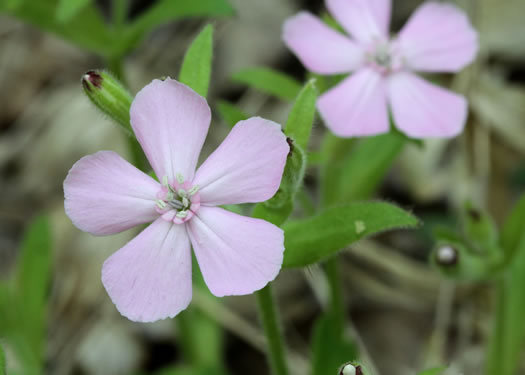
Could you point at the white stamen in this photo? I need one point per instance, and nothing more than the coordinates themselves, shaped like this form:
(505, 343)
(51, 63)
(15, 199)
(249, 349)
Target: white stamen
(165, 181)
(170, 196)
(161, 204)
(194, 190)
(182, 214)
(182, 193)
(180, 178)
(185, 202)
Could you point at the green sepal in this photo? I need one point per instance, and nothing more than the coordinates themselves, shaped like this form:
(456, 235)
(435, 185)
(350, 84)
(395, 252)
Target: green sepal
(110, 96)
(280, 206)
(480, 229)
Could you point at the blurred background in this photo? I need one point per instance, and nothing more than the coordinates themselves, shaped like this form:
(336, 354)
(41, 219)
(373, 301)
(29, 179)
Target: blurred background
(404, 315)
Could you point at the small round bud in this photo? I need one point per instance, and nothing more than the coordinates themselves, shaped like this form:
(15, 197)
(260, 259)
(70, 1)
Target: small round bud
(446, 256)
(350, 369)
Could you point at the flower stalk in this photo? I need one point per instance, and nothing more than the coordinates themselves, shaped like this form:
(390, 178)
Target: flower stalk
(272, 330)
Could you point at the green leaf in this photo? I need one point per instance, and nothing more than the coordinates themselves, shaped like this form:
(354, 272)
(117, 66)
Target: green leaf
(32, 284)
(433, 371)
(196, 66)
(230, 113)
(67, 9)
(13, 4)
(165, 11)
(513, 230)
(298, 129)
(313, 239)
(301, 118)
(26, 298)
(34, 266)
(360, 170)
(330, 348)
(85, 29)
(270, 82)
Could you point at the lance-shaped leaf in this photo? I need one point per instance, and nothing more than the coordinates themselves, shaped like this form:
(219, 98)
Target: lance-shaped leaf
(311, 240)
(28, 296)
(299, 125)
(356, 173)
(67, 9)
(301, 119)
(164, 11)
(270, 82)
(85, 29)
(196, 66)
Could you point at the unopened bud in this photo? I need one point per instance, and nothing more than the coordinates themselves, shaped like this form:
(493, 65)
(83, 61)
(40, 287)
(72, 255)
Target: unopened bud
(446, 256)
(350, 369)
(108, 95)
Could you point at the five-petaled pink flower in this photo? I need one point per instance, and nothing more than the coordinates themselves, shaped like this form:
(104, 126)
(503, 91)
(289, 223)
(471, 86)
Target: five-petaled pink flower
(437, 38)
(150, 277)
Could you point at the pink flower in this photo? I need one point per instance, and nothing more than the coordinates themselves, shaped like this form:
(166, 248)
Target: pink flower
(150, 277)
(437, 38)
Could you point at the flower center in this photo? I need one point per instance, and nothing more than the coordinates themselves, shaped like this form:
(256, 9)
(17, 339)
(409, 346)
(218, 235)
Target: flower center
(384, 57)
(177, 200)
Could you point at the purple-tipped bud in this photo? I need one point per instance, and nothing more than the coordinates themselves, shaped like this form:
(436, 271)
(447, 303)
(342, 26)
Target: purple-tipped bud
(108, 95)
(92, 79)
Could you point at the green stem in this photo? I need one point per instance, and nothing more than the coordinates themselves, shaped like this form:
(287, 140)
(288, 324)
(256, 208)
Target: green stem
(494, 363)
(185, 336)
(337, 305)
(116, 66)
(272, 330)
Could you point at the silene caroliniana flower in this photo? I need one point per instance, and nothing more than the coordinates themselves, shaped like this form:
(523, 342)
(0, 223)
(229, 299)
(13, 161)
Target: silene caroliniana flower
(437, 38)
(150, 277)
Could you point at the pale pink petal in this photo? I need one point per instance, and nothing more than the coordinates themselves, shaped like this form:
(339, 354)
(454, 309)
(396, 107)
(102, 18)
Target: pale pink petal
(104, 194)
(246, 167)
(150, 277)
(365, 20)
(320, 48)
(438, 38)
(236, 254)
(423, 110)
(357, 106)
(170, 121)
